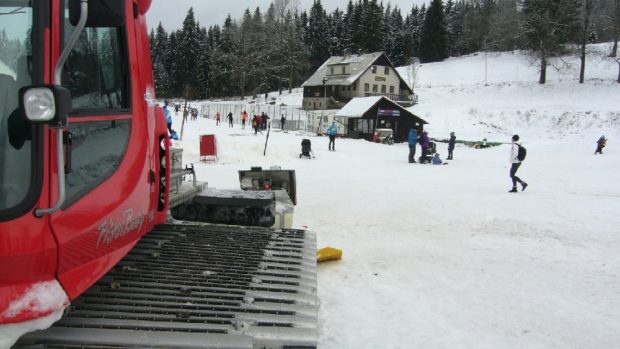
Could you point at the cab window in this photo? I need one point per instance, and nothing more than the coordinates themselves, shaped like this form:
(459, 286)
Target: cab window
(96, 75)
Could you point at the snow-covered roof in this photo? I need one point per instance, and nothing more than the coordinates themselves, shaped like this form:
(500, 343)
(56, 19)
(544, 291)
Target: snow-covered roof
(358, 106)
(358, 64)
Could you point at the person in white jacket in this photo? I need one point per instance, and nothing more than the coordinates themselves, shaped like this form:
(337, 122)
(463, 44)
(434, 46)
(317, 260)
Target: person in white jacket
(515, 163)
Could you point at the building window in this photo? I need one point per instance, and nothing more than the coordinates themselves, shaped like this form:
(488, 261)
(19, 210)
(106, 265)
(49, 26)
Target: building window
(392, 89)
(386, 71)
(373, 69)
(375, 88)
(354, 87)
(349, 88)
(331, 70)
(383, 89)
(367, 87)
(344, 69)
(343, 87)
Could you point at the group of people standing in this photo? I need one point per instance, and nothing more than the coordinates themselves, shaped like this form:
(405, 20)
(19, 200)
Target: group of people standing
(260, 122)
(425, 145)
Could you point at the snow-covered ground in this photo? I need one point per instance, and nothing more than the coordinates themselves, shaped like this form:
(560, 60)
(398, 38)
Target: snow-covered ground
(444, 256)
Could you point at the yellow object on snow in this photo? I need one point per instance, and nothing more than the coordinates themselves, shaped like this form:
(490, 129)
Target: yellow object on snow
(328, 254)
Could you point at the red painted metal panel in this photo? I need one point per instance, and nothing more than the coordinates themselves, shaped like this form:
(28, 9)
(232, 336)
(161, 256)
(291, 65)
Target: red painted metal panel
(96, 231)
(208, 147)
(81, 243)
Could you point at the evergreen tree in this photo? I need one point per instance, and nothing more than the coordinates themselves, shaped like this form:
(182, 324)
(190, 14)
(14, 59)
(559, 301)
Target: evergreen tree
(188, 55)
(373, 18)
(347, 33)
(316, 35)
(433, 43)
(159, 48)
(336, 33)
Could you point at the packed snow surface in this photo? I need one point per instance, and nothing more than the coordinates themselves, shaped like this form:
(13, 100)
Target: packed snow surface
(443, 256)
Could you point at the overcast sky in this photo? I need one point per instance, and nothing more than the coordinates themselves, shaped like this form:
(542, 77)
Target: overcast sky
(210, 12)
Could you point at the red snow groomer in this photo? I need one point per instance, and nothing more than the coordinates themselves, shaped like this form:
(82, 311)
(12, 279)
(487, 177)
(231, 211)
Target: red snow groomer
(85, 191)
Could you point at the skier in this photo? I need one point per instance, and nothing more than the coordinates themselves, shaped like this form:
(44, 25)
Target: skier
(255, 124)
(217, 118)
(244, 118)
(515, 163)
(413, 141)
(265, 120)
(451, 145)
(230, 119)
(600, 144)
(332, 131)
(282, 122)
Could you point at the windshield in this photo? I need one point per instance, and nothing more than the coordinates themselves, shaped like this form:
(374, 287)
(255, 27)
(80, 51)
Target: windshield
(16, 21)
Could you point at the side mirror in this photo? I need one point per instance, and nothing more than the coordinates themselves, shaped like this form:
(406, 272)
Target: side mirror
(45, 104)
(101, 13)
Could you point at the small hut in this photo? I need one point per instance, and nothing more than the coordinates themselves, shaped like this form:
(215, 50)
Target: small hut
(364, 115)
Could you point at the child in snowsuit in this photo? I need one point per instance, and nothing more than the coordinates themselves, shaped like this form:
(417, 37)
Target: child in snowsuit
(451, 143)
(600, 144)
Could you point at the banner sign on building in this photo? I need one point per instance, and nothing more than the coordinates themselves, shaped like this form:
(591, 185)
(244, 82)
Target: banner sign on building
(389, 112)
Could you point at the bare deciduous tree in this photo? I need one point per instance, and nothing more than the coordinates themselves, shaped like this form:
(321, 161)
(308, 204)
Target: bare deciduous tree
(588, 5)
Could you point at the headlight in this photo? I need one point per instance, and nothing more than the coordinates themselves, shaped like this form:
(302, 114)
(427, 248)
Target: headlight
(39, 104)
(45, 104)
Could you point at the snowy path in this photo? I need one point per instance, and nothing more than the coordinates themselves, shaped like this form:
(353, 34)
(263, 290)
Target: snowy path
(443, 256)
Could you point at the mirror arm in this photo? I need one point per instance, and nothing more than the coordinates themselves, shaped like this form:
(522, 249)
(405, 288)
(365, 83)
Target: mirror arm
(40, 212)
(72, 41)
(60, 158)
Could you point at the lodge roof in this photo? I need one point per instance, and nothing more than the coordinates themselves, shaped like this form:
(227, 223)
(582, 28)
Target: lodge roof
(358, 65)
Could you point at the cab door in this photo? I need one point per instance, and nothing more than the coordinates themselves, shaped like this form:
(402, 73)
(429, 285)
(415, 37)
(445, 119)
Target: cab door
(107, 157)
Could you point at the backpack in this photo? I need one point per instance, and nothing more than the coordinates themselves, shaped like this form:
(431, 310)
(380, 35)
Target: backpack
(521, 153)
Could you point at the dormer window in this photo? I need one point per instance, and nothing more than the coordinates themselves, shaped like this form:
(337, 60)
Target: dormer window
(344, 69)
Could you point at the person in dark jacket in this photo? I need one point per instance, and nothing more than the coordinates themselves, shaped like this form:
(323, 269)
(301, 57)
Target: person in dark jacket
(230, 119)
(425, 143)
(413, 141)
(451, 143)
(600, 144)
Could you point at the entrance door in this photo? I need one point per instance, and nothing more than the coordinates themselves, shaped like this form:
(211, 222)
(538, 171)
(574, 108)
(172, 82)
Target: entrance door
(107, 172)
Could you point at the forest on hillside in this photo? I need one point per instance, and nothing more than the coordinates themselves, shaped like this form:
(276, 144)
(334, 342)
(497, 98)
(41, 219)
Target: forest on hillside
(279, 48)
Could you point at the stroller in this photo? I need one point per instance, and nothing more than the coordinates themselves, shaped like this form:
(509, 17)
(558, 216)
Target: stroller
(428, 157)
(306, 149)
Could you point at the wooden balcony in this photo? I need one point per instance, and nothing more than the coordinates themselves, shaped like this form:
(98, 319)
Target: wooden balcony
(404, 100)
